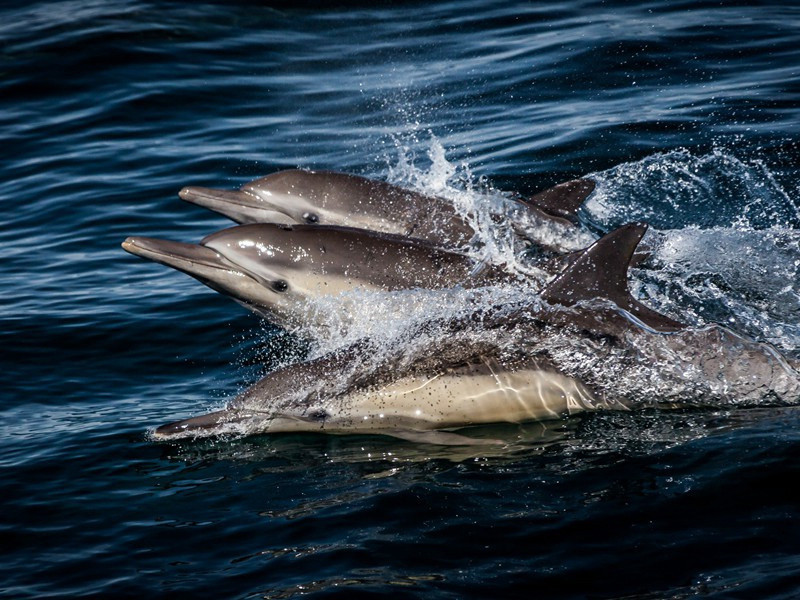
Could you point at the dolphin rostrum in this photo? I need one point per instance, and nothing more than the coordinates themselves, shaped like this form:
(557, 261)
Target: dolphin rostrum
(331, 198)
(276, 269)
(585, 345)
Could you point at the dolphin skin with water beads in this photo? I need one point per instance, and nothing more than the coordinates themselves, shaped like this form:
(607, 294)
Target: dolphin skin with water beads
(331, 198)
(584, 346)
(279, 270)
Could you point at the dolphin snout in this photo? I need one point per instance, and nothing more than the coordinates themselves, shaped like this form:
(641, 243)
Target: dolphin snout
(203, 424)
(205, 196)
(237, 205)
(174, 254)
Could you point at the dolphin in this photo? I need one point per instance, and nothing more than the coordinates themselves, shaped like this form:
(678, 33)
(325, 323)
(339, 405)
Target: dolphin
(275, 270)
(585, 345)
(328, 197)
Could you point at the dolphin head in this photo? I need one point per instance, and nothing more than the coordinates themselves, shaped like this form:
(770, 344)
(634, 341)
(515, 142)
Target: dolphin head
(218, 273)
(261, 266)
(294, 261)
(277, 269)
(307, 197)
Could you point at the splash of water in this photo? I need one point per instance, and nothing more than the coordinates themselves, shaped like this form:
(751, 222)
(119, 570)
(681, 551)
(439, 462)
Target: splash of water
(490, 212)
(678, 189)
(744, 278)
(721, 263)
(725, 244)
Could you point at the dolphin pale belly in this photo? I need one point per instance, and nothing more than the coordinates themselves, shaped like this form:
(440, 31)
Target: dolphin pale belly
(479, 392)
(276, 270)
(586, 346)
(330, 198)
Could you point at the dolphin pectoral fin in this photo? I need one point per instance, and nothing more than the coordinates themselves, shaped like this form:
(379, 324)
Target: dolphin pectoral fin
(438, 438)
(601, 271)
(563, 200)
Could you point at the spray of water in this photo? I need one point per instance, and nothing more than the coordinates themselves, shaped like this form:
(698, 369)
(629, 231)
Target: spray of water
(724, 248)
(725, 240)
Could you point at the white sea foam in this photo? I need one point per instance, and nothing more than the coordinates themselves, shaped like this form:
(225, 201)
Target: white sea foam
(742, 272)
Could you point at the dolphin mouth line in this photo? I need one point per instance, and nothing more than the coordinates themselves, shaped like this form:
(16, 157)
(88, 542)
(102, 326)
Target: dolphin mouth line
(242, 206)
(146, 248)
(202, 196)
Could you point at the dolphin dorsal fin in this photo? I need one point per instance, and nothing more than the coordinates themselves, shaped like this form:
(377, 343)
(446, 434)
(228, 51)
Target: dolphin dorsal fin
(565, 199)
(602, 272)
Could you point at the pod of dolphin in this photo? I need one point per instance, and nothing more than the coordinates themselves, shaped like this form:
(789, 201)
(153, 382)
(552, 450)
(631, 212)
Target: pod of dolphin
(582, 345)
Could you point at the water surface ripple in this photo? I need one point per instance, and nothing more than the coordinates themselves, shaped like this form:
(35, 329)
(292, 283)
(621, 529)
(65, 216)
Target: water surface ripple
(686, 115)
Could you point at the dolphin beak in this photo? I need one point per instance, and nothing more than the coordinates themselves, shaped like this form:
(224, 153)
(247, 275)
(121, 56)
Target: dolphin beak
(196, 426)
(188, 258)
(237, 205)
(211, 269)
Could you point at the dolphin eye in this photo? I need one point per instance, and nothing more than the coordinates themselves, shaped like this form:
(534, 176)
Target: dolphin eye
(311, 218)
(280, 285)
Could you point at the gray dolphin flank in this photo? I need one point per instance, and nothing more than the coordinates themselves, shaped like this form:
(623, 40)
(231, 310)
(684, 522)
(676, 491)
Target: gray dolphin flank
(451, 394)
(331, 198)
(276, 270)
(585, 347)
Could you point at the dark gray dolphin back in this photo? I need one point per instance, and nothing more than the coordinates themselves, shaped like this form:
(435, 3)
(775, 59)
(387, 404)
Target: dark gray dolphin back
(427, 217)
(602, 272)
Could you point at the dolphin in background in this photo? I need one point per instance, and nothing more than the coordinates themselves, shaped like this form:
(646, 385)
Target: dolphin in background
(275, 270)
(331, 198)
(587, 345)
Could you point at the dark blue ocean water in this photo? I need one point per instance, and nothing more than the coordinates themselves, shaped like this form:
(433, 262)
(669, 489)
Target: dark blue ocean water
(687, 114)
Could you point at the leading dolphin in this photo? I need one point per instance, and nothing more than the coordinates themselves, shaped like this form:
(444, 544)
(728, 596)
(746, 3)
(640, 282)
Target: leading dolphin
(275, 270)
(586, 346)
(332, 198)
